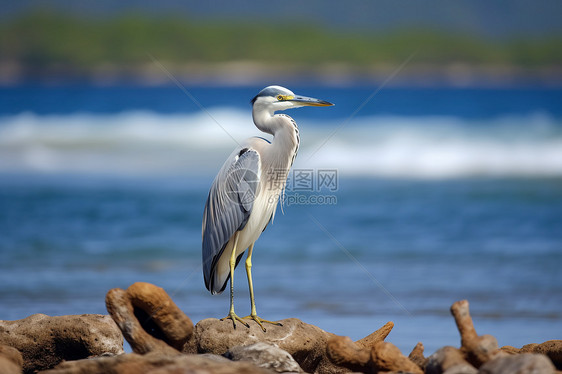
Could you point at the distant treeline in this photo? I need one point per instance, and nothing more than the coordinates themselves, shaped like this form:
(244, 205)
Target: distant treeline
(45, 40)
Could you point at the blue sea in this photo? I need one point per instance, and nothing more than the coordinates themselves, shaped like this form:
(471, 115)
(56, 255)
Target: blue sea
(402, 201)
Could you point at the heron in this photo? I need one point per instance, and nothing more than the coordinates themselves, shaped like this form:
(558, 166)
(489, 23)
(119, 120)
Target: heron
(245, 193)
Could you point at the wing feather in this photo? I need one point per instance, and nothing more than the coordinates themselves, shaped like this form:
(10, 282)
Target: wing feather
(228, 207)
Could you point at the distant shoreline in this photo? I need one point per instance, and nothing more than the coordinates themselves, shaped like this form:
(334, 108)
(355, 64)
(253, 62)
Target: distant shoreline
(248, 73)
(53, 48)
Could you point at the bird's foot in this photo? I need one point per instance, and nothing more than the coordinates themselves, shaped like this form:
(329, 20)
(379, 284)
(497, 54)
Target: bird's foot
(235, 318)
(260, 321)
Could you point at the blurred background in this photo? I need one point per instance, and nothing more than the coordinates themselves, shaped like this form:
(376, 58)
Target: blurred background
(445, 143)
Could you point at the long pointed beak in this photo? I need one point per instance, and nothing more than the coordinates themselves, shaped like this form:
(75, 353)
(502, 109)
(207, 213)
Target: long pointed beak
(310, 101)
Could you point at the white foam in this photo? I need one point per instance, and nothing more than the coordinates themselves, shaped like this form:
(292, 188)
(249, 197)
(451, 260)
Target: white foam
(409, 147)
(446, 148)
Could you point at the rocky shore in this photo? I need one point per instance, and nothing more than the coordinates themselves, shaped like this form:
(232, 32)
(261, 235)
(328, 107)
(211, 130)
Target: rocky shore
(164, 340)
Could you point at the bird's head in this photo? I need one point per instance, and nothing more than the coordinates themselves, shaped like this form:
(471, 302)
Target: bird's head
(275, 98)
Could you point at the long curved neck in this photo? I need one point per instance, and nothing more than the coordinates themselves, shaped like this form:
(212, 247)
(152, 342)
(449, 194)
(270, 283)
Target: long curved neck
(264, 119)
(285, 133)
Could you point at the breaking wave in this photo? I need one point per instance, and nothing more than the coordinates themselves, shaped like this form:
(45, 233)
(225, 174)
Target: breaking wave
(148, 143)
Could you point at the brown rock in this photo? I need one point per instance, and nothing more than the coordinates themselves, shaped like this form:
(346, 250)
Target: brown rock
(448, 360)
(265, 356)
(45, 341)
(342, 351)
(551, 348)
(525, 363)
(156, 363)
(11, 361)
(382, 356)
(355, 356)
(510, 350)
(7, 366)
(11, 354)
(158, 307)
(306, 343)
(377, 336)
(121, 309)
(477, 349)
(387, 357)
(417, 357)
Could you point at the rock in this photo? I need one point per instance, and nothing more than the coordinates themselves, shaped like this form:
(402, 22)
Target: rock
(461, 369)
(382, 356)
(387, 357)
(377, 336)
(11, 361)
(342, 351)
(356, 356)
(525, 363)
(551, 348)
(11, 354)
(175, 326)
(477, 349)
(7, 366)
(122, 311)
(45, 341)
(448, 360)
(305, 343)
(266, 356)
(156, 363)
(417, 357)
(510, 350)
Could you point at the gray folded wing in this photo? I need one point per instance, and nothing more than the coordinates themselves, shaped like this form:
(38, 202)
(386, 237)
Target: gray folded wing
(228, 208)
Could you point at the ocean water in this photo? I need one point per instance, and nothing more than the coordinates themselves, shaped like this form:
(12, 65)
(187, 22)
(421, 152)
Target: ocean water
(399, 205)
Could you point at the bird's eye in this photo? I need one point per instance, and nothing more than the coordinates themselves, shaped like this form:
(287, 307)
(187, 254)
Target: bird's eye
(280, 97)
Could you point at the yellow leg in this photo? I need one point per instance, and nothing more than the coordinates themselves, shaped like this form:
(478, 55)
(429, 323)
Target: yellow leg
(253, 314)
(232, 263)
